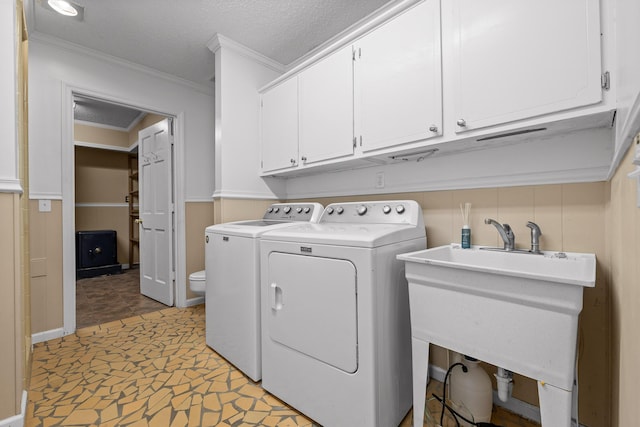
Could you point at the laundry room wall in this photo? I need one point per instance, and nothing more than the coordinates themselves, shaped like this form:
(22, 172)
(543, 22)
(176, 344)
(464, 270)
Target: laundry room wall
(54, 67)
(622, 229)
(572, 218)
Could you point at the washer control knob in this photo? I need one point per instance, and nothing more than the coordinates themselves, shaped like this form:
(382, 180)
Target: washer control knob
(386, 209)
(330, 210)
(298, 209)
(400, 209)
(362, 209)
(307, 209)
(287, 209)
(276, 210)
(339, 210)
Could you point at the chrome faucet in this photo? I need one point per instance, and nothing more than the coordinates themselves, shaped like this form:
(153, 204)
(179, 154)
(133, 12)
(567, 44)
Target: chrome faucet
(535, 237)
(505, 232)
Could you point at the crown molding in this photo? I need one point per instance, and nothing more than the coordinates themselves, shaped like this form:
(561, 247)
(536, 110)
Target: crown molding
(63, 44)
(218, 41)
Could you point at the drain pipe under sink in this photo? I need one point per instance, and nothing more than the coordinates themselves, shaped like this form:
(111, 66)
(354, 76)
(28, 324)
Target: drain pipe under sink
(504, 379)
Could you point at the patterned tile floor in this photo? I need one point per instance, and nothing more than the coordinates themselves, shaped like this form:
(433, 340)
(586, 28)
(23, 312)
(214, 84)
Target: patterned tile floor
(153, 370)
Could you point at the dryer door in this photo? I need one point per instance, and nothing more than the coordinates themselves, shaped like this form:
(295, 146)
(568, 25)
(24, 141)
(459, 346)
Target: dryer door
(313, 307)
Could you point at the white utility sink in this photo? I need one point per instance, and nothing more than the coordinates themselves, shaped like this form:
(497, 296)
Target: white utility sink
(515, 310)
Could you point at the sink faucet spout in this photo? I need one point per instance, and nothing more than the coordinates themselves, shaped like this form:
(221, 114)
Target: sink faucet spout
(505, 233)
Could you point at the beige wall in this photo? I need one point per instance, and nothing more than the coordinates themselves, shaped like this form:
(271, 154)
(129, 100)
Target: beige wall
(102, 177)
(146, 121)
(623, 231)
(10, 305)
(99, 135)
(572, 218)
(227, 210)
(45, 241)
(198, 215)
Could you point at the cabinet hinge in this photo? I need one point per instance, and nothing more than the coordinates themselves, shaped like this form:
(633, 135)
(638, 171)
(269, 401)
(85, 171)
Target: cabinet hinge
(353, 53)
(605, 80)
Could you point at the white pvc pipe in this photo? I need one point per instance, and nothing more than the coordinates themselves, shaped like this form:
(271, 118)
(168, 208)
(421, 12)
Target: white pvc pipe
(504, 379)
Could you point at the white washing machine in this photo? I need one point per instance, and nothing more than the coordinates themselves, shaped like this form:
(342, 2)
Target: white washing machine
(232, 296)
(336, 338)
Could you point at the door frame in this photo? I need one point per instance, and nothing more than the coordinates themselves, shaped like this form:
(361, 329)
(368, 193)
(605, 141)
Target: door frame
(68, 198)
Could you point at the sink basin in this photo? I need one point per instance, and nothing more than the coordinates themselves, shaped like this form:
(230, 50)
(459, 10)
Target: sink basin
(511, 309)
(562, 267)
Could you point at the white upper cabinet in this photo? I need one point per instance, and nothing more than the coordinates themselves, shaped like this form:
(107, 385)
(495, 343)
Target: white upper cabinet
(397, 71)
(280, 126)
(326, 108)
(515, 59)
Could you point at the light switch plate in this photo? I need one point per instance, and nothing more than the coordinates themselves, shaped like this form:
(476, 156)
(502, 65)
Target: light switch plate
(44, 205)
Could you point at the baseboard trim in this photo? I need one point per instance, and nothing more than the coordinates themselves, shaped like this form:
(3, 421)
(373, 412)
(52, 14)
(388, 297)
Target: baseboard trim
(17, 420)
(194, 301)
(47, 335)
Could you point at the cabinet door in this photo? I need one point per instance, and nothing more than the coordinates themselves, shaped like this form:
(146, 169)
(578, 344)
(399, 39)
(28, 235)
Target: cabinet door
(398, 80)
(326, 108)
(515, 59)
(280, 126)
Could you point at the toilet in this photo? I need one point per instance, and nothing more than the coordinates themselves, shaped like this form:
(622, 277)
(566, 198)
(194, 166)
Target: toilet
(197, 282)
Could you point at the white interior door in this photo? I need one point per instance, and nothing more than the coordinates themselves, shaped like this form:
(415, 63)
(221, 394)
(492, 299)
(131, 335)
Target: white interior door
(156, 212)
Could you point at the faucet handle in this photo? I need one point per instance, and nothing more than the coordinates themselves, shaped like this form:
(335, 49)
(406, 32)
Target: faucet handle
(535, 237)
(535, 228)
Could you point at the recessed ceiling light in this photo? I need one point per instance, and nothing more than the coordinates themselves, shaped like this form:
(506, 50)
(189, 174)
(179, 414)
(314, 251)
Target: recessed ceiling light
(63, 7)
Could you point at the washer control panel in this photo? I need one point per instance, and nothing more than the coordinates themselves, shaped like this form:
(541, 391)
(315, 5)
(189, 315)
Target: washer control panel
(309, 212)
(384, 212)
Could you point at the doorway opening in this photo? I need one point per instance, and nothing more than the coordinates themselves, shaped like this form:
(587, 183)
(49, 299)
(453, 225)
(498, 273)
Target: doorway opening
(107, 194)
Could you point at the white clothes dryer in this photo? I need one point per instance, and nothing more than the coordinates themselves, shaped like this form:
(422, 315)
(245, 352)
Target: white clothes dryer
(336, 337)
(232, 293)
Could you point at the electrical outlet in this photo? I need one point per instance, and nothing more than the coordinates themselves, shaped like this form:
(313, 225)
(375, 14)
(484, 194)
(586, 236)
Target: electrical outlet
(379, 180)
(44, 205)
(126, 199)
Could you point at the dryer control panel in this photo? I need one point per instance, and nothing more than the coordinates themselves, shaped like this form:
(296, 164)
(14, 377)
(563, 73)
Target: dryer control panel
(309, 212)
(378, 212)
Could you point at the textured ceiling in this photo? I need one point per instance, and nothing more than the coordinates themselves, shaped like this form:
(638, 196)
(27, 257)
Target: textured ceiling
(95, 111)
(171, 35)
